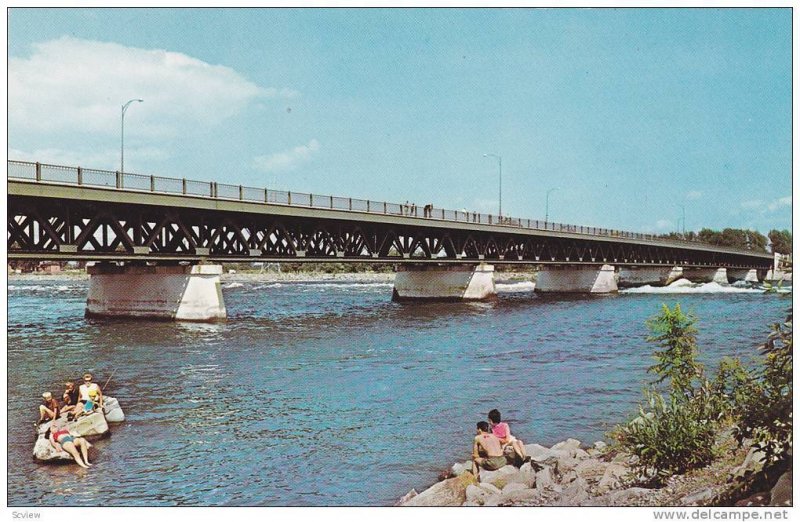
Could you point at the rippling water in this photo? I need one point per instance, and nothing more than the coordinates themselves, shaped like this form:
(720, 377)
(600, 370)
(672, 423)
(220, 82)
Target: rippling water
(325, 393)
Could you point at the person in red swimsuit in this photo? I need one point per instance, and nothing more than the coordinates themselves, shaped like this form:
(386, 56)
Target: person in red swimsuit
(62, 439)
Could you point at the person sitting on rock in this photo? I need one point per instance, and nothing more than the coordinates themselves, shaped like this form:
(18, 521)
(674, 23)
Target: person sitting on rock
(487, 452)
(91, 396)
(70, 398)
(503, 432)
(61, 439)
(48, 410)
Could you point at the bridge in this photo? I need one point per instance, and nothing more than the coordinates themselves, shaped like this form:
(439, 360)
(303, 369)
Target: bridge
(158, 233)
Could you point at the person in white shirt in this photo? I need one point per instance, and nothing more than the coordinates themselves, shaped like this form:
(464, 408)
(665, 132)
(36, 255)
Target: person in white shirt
(90, 396)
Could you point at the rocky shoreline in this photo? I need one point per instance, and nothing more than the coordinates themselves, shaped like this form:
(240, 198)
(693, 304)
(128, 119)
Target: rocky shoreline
(572, 474)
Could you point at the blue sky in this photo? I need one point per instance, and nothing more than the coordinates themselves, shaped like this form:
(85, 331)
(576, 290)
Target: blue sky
(628, 113)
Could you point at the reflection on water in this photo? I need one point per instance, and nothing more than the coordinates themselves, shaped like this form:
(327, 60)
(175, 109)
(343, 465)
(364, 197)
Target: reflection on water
(315, 393)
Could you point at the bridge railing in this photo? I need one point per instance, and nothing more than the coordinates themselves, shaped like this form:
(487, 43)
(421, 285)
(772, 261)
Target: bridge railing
(41, 172)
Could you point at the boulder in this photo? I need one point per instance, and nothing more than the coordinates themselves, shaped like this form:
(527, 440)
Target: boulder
(525, 475)
(112, 410)
(580, 454)
(513, 486)
(544, 478)
(523, 495)
(600, 446)
(591, 470)
(405, 498)
(565, 465)
(537, 452)
(475, 495)
(43, 450)
(459, 468)
(781, 493)
(574, 494)
(753, 462)
(450, 492)
(623, 497)
(612, 478)
(699, 498)
(569, 445)
(500, 477)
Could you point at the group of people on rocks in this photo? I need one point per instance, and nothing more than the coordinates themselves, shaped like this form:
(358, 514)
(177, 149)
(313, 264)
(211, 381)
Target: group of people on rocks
(491, 442)
(76, 402)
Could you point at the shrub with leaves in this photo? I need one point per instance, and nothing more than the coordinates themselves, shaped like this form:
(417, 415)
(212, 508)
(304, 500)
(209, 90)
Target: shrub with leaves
(674, 332)
(766, 417)
(669, 436)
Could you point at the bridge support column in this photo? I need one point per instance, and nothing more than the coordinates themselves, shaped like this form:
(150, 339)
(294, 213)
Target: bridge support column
(706, 275)
(180, 293)
(748, 276)
(576, 279)
(448, 283)
(648, 275)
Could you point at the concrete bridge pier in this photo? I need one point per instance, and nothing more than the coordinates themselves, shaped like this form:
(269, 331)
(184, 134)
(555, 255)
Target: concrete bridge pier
(179, 293)
(706, 275)
(447, 282)
(577, 279)
(648, 275)
(748, 276)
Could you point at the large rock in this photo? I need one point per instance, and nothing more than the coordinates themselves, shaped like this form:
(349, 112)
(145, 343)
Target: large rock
(781, 494)
(525, 475)
(500, 477)
(537, 452)
(581, 454)
(574, 494)
(569, 445)
(753, 462)
(544, 479)
(622, 497)
(405, 498)
(612, 478)
(43, 450)
(699, 498)
(591, 470)
(477, 494)
(459, 468)
(522, 495)
(450, 492)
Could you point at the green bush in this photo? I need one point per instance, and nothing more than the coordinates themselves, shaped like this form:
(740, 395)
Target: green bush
(669, 436)
(675, 333)
(766, 415)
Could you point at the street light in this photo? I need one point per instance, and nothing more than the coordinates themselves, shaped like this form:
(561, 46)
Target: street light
(500, 165)
(683, 214)
(122, 134)
(547, 204)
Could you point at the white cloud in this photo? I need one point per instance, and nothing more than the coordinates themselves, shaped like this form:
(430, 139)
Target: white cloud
(752, 203)
(764, 207)
(694, 194)
(286, 160)
(663, 224)
(74, 86)
(780, 203)
(88, 158)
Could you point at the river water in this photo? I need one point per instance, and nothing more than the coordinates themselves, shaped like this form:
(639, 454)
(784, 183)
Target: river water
(328, 393)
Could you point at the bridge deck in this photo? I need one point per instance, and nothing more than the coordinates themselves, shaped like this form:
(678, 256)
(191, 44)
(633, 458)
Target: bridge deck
(79, 197)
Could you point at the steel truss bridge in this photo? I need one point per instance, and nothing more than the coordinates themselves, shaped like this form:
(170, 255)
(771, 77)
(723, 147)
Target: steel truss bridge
(70, 213)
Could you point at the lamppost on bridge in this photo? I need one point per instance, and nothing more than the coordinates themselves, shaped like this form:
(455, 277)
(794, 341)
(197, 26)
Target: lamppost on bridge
(682, 219)
(547, 204)
(122, 134)
(500, 166)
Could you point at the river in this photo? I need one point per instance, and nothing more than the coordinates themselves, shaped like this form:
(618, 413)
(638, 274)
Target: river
(328, 393)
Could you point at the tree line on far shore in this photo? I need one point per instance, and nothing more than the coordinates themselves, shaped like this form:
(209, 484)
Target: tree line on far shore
(779, 241)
